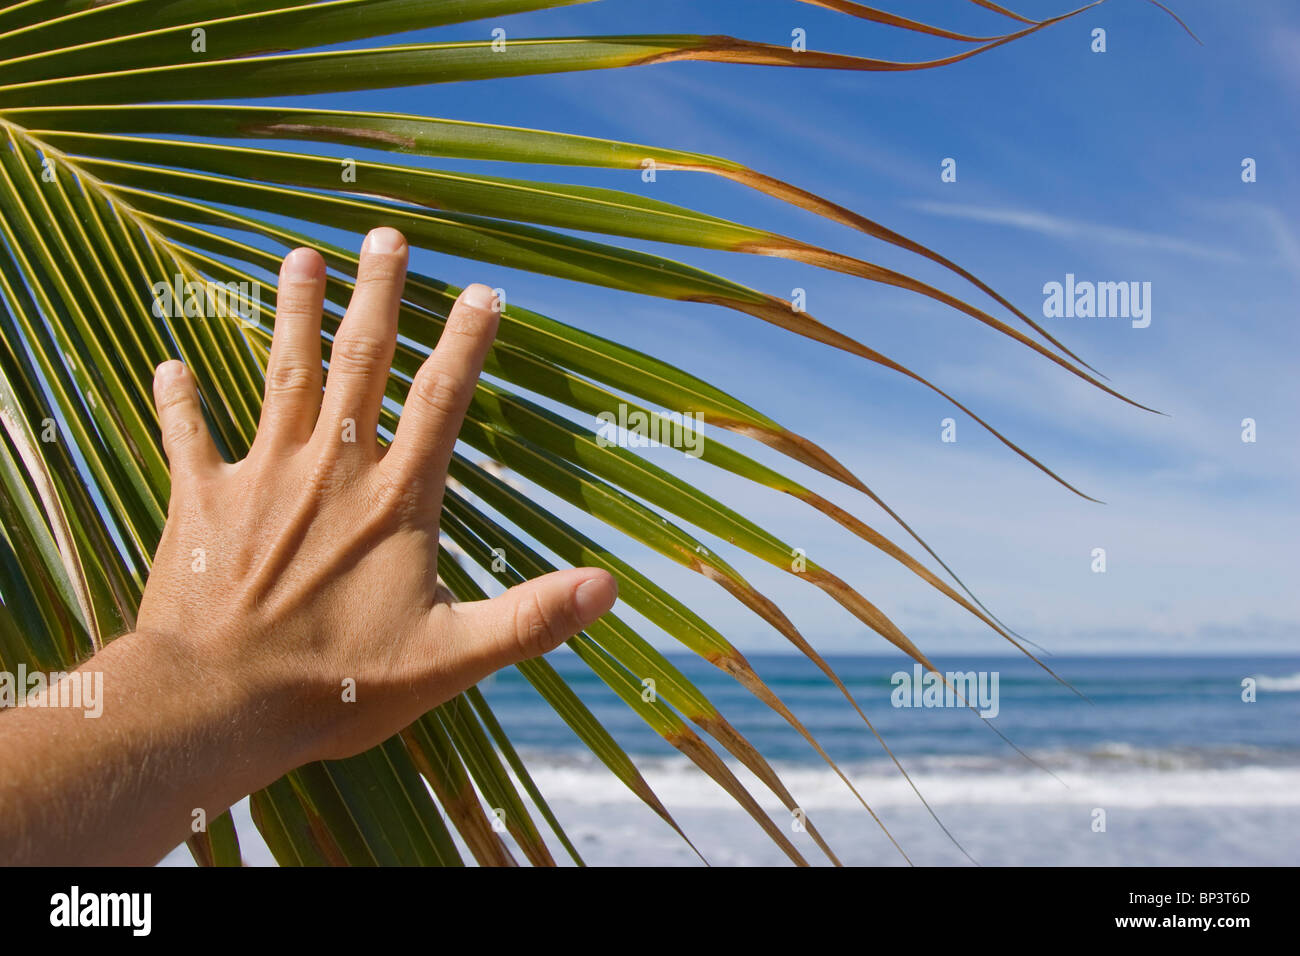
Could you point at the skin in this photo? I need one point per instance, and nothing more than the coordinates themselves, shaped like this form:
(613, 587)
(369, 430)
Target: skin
(319, 560)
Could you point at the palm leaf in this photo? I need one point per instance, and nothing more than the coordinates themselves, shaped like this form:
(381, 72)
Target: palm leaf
(111, 182)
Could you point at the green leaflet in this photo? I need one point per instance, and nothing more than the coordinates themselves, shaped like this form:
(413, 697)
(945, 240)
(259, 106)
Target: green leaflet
(80, 252)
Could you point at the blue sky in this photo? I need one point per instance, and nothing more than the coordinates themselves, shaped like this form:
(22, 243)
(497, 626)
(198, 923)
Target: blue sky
(1121, 166)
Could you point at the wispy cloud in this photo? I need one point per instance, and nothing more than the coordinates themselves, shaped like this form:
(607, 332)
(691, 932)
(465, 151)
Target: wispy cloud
(1271, 225)
(1284, 54)
(1062, 228)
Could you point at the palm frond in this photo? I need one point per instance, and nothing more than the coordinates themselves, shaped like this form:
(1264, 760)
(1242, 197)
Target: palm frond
(110, 182)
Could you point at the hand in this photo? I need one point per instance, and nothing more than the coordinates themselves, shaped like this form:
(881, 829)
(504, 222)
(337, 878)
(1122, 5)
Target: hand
(311, 563)
(314, 560)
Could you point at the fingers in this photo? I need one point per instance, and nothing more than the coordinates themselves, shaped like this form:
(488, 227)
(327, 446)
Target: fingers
(442, 389)
(527, 621)
(293, 372)
(185, 435)
(363, 348)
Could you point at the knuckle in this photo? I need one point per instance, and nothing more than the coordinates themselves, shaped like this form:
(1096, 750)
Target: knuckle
(180, 432)
(290, 380)
(360, 350)
(470, 323)
(296, 300)
(536, 630)
(396, 495)
(380, 271)
(327, 476)
(437, 392)
(172, 398)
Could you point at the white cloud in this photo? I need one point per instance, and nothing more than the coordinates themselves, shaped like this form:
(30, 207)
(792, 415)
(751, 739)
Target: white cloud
(1075, 229)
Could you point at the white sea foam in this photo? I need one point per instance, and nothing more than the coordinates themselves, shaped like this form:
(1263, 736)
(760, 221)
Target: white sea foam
(1114, 776)
(1163, 808)
(1288, 684)
(1230, 805)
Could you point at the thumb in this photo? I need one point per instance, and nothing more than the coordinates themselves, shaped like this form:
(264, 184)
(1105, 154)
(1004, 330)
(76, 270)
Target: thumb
(527, 621)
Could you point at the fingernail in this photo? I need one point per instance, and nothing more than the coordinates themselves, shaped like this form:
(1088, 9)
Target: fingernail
(478, 296)
(169, 371)
(383, 240)
(592, 597)
(302, 264)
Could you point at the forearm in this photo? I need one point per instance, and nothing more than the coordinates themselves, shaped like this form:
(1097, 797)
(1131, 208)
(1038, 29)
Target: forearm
(316, 629)
(176, 734)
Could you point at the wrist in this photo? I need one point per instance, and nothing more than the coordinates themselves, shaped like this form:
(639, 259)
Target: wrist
(237, 713)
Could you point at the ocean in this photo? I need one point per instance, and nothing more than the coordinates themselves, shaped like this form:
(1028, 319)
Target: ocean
(1163, 764)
